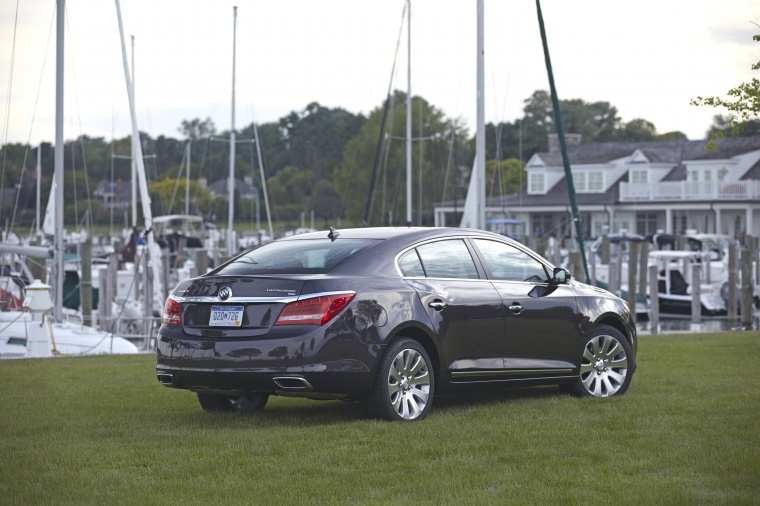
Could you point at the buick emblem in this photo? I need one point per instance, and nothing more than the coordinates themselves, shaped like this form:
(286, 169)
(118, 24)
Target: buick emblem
(225, 293)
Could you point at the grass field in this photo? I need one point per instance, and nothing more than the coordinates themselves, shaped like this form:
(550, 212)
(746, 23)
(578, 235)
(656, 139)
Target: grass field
(100, 430)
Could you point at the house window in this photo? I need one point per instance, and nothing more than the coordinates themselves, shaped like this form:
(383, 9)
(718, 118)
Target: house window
(646, 223)
(679, 224)
(595, 182)
(537, 184)
(579, 182)
(542, 224)
(639, 176)
(693, 175)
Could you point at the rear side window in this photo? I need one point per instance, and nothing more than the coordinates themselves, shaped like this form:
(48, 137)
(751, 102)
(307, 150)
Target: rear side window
(440, 259)
(308, 256)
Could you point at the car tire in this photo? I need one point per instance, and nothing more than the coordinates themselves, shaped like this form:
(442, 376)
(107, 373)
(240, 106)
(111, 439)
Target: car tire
(217, 402)
(605, 368)
(404, 385)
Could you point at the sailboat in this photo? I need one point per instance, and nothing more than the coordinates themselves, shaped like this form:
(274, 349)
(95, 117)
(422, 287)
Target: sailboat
(22, 331)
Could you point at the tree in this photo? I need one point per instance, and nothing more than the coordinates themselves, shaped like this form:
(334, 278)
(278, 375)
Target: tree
(638, 130)
(743, 104)
(196, 128)
(504, 177)
(168, 196)
(434, 158)
(596, 122)
(722, 124)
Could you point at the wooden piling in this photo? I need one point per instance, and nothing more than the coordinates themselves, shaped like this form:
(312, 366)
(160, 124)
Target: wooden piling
(696, 294)
(613, 276)
(747, 307)
(643, 267)
(633, 256)
(605, 251)
(85, 283)
(733, 253)
(654, 301)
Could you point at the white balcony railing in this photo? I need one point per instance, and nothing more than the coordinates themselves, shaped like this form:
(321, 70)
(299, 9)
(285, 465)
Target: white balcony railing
(687, 190)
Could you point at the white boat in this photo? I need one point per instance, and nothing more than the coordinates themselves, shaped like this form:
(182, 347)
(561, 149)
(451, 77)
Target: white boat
(30, 331)
(68, 339)
(674, 287)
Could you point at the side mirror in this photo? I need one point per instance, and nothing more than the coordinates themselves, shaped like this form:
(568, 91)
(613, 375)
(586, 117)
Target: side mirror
(560, 276)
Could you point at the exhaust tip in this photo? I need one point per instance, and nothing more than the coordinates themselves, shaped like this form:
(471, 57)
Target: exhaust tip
(165, 379)
(292, 383)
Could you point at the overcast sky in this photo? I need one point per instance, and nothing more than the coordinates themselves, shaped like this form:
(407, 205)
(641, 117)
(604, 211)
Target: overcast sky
(646, 58)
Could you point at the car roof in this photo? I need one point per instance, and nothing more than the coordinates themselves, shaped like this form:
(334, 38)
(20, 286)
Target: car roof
(390, 233)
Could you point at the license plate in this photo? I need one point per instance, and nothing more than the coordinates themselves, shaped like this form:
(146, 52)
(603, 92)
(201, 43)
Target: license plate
(226, 316)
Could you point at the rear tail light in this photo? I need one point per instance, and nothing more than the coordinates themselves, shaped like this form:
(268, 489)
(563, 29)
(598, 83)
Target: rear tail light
(171, 312)
(314, 311)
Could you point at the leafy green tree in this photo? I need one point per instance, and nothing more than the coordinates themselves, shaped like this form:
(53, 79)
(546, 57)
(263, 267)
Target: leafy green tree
(325, 202)
(504, 177)
(432, 154)
(197, 128)
(168, 196)
(743, 104)
(638, 130)
(672, 136)
(722, 124)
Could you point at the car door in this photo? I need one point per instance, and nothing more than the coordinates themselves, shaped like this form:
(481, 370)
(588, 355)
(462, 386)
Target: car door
(542, 321)
(465, 309)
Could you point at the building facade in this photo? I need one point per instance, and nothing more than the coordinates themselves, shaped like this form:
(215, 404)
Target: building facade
(640, 188)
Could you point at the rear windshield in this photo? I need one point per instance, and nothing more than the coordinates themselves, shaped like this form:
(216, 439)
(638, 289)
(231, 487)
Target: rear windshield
(308, 256)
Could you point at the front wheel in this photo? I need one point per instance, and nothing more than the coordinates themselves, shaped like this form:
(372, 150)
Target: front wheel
(404, 386)
(218, 402)
(606, 365)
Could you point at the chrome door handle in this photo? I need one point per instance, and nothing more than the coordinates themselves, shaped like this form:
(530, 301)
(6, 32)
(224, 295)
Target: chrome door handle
(437, 305)
(516, 308)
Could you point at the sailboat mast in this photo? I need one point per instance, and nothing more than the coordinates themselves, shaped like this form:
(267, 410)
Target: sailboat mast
(39, 184)
(231, 182)
(58, 165)
(480, 135)
(134, 155)
(409, 115)
(187, 180)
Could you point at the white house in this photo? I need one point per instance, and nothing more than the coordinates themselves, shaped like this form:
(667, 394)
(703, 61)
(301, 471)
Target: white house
(639, 187)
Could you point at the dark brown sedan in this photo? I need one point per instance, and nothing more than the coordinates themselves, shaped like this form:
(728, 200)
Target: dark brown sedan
(390, 317)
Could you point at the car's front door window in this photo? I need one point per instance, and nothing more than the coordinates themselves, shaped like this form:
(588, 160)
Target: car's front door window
(508, 263)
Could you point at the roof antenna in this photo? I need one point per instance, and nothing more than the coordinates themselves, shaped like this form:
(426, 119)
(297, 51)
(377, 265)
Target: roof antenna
(333, 234)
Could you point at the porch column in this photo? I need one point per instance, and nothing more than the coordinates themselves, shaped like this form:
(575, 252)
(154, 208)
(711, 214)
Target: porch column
(668, 221)
(749, 225)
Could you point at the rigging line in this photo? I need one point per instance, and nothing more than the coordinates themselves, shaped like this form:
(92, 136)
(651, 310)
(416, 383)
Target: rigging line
(8, 99)
(449, 160)
(73, 176)
(180, 168)
(373, 177)
(197, 188)
(81, 131)
(350, 173)
(34, 110)
(386, 157)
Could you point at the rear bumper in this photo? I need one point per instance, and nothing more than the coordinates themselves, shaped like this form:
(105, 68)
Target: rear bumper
(311, 364)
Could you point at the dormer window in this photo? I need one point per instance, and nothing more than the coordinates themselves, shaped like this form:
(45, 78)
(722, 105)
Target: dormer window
(537, 183)
(639, 176)
(595, 182)
(579, 181)
(588, 181)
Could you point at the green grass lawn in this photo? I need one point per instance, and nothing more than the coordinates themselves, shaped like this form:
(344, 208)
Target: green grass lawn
(99, 430)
